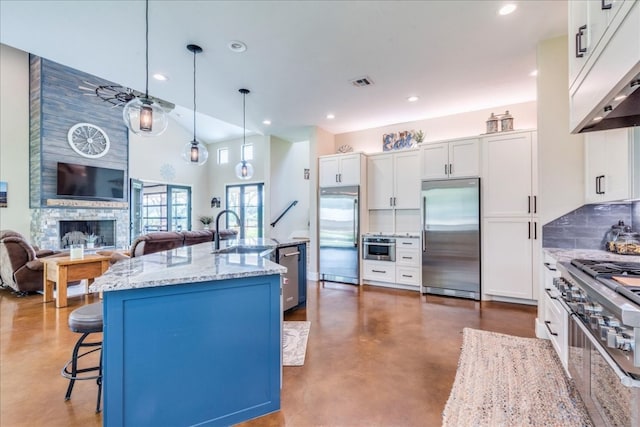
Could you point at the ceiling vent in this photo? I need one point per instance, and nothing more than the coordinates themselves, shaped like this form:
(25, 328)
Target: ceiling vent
(361, 81)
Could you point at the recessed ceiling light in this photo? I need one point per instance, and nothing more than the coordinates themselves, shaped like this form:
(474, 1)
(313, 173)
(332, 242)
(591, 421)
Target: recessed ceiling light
(597, 119)
(160, 77)
(533, 73)
(619, 97)
(412, 98)
(266, 122)
(237, 46)
(331, 116)
(507, 9)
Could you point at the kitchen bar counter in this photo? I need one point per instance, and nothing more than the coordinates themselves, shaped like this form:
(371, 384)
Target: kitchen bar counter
(196, 263)
(192, 337)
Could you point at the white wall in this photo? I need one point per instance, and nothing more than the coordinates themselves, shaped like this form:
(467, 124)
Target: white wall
(14, 138)
(288, 162)
(455, 126)
(560, 154)
(219, 176)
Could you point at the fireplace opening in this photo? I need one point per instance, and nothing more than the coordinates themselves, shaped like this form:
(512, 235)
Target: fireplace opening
(102, 233)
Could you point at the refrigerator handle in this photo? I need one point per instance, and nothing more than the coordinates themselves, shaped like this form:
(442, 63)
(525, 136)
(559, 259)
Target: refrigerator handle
(424, 223)
(355, 223)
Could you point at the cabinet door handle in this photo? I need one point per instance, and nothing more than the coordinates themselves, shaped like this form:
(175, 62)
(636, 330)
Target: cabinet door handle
(602, 187)
(528, 204)
(340, 176)
(548, 291)
(535, 204)
(597, 185)
(394, 201)
(579, 49)
(450, 168)
(390, 201)
(407, 243)
(547, 323)
(535, 230)
(337, 178)
(407, 257)
(606, 5)
(445, 169)
(529, 228)
(407, 275)
(378, 271)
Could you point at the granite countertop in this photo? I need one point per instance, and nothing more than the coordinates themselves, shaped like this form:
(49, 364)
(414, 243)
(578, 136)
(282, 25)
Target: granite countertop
(196, 263)
(381, 234)
(566, 255)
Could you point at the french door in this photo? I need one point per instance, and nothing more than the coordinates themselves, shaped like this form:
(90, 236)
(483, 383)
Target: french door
(247, 201)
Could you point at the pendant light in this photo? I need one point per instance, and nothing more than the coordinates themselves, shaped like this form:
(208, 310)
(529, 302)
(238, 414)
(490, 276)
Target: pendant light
(143, 116)
(244, 169)
(195, 152)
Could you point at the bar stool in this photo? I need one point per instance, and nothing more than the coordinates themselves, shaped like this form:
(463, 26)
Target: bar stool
(85, 320)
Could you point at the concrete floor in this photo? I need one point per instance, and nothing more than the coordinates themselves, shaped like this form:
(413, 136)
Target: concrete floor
(375, 357)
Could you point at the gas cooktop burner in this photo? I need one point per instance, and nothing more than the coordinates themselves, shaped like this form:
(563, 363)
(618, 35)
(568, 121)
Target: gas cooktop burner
(595, 268)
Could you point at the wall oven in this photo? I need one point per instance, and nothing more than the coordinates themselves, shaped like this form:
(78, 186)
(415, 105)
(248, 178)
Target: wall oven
(604, 335)
(379, 248)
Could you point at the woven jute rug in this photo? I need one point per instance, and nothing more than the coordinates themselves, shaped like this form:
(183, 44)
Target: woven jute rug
(294, 342)
(511, 381)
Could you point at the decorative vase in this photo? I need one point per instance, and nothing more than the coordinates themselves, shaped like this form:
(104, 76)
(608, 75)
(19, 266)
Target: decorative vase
(206, 227)
(90, 245)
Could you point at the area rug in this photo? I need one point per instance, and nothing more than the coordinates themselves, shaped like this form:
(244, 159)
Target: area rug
(294, 342)
(511, 381)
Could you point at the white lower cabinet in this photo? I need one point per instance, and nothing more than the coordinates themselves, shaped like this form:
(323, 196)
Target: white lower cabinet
(379, 271)
(408, 276)
(556, 320)
(510, 250)
(404, 273)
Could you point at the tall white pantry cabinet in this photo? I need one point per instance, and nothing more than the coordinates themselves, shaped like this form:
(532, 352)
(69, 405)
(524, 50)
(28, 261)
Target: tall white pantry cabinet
(511, 232)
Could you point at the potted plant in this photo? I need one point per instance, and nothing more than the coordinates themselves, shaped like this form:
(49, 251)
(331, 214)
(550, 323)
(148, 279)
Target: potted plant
(91, 240)
(206, 221)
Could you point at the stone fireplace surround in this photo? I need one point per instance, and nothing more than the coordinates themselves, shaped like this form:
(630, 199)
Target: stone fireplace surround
(45, 231)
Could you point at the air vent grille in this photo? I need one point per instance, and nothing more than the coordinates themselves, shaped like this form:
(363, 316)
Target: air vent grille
(361, 81)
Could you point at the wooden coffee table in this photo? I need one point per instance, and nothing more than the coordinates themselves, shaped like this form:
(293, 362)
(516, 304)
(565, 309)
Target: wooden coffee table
(60, 271)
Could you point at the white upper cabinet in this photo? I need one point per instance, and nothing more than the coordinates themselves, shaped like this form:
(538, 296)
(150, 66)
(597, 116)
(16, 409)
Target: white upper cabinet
(604, 54)
(393, 180)
(609, 165)
(510, 174)
(340, 170)
(450, 159)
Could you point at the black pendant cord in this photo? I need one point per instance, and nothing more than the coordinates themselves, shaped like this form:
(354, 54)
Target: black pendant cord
(244, 124)
(194, 97)
(146, 36)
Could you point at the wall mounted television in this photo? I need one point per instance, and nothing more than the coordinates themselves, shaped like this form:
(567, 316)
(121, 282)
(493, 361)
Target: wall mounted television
(89, 182)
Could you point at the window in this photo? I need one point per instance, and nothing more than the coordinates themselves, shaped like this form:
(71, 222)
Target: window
(246, 201)
(223, 156)
(166, 208)
(247, 152)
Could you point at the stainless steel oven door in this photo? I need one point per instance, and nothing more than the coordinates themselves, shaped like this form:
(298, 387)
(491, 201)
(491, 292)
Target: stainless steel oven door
(379, 249)
(611, 397)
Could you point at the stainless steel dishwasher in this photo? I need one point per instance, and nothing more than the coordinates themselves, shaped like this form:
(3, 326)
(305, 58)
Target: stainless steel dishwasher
(289, 257)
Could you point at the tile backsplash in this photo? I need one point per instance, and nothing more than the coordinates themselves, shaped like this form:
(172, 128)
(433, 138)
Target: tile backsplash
(587, 226)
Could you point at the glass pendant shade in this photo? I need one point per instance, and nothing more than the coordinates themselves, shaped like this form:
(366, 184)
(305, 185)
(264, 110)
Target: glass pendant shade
(244, 170)
(195, 153)
(145, 117)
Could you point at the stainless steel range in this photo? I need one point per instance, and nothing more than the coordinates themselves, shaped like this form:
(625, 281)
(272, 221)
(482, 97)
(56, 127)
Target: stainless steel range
(603, 301)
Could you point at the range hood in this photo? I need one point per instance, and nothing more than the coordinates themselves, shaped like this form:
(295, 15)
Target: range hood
(619, 110)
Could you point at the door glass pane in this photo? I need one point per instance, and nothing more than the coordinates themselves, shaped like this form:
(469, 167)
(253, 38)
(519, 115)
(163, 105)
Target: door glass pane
(246, 200)
(180, 208)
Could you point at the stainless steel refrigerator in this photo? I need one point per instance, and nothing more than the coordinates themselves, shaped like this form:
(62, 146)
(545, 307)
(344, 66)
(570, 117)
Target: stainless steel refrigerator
(451, 237)
(339, 221)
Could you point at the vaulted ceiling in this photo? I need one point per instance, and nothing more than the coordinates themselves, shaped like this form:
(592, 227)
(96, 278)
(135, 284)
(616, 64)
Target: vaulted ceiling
(455, 56)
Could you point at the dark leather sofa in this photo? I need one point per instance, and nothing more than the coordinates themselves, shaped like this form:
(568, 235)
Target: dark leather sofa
(21, 266)
(166, 240)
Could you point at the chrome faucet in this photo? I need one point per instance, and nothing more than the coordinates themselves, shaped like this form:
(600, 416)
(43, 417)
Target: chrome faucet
(217, 236)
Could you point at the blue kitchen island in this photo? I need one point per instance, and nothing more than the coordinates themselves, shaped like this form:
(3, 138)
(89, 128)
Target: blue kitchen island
(191, 337)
